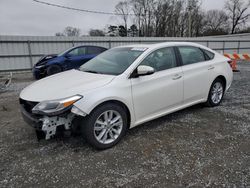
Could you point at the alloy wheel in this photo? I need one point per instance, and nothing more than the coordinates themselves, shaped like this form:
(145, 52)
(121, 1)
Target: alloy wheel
(108, 127)
(217, 92)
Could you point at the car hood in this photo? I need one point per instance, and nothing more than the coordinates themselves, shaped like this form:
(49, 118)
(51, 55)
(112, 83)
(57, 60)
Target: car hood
(45, 58)
(63, 85)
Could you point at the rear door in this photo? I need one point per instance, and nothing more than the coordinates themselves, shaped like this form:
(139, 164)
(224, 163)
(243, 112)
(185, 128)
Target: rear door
(155, 94)
(197, 73)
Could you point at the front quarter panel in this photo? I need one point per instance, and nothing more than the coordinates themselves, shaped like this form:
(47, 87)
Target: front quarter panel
(119, 90)
(58, 60)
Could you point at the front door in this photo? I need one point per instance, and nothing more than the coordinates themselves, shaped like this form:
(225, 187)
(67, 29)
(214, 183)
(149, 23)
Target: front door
(154, 95)
(76, 57)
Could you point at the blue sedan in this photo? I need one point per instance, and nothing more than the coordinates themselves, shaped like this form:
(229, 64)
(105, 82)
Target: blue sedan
(70, 59)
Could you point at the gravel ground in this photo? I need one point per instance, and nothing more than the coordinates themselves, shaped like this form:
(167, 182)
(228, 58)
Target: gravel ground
(196, 147)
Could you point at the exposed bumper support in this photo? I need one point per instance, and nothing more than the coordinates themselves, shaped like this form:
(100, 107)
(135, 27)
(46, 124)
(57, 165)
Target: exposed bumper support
(50, 124)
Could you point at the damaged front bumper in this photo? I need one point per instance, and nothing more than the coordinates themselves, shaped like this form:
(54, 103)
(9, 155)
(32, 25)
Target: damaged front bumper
(48, 125)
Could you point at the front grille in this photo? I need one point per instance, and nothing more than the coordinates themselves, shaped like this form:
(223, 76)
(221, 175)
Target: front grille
(28, 105)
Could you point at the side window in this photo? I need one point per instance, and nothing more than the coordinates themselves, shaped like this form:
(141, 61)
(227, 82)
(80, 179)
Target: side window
(78, 51)
(94, 50)
(209, 55)
(161, 59)
(190, 55)
(81, 51)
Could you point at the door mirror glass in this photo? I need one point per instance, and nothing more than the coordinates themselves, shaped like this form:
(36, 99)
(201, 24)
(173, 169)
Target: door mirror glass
(144, 70)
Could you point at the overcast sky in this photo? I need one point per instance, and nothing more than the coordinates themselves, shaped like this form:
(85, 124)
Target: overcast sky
(26, 17)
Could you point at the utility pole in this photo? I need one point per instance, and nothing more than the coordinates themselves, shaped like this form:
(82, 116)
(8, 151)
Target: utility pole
(189, 19)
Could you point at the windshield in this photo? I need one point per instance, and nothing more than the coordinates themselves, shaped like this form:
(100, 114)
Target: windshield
(65, 51)
(114, 61)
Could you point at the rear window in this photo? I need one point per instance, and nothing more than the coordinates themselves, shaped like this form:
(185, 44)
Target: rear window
(209, 55)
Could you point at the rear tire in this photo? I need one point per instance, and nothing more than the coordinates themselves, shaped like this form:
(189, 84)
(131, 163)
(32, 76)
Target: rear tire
(216, 93)
(53, 69)
(105, 126)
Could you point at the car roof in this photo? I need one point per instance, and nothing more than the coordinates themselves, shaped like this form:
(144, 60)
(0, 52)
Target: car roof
(164, 44)
(88, 46)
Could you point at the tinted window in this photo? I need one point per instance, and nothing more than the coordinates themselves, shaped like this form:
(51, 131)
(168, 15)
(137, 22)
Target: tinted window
(209, 55)
(94, 50)
(78, 51)
(161, 59)
(191, 55)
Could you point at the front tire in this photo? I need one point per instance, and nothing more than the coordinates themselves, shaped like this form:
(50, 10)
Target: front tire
(216, 93)
(105, 126)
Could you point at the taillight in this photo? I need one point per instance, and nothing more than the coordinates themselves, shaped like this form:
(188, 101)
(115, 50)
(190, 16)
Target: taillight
(230, 62)
(233, 65)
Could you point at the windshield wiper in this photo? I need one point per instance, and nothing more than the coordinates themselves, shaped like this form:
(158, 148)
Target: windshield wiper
(91, 71)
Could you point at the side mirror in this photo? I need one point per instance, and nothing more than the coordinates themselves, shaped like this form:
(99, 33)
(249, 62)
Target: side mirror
(143, 70)
(67, 55)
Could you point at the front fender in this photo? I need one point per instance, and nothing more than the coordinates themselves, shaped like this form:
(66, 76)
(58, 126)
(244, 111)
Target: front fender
(92, 99)
(56, 61)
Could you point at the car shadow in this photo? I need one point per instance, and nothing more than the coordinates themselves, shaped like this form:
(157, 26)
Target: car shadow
(77, 143)
(168, 118)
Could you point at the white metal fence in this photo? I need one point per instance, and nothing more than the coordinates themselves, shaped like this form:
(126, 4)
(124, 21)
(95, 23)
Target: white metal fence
(22, 52)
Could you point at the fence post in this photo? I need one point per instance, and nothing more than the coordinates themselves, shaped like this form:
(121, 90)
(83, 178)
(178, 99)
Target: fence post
(223, 46)
(238, 48)
(109, 44)
(30, 54)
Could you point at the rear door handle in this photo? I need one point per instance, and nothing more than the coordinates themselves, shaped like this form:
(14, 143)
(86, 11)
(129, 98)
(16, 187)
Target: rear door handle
(210, 67)
(176, 77)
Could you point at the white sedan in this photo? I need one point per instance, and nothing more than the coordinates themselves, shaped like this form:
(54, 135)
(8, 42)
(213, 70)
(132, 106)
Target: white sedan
(124, 87)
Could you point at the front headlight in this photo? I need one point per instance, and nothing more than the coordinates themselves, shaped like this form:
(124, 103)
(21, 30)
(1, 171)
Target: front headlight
(40, 66)
(55, 107)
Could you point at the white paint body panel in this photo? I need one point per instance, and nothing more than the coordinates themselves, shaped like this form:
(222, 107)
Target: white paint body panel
(196, 81)
(146, 97)
(157, 93)
(63, 85)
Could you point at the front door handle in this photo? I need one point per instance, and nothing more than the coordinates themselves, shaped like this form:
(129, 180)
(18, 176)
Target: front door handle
(176, 77)
(210, 67)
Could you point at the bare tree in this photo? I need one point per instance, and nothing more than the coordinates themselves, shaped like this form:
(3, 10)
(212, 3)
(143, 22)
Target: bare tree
(168, 18)
(215, 22)
(195, 15)
(59, 34)
(237, 11)
(144, 15)
(71, 32)
(182, 18)
(216, 19)
(162, 12)
(123, 9)
(178, 9)
(137, 10)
